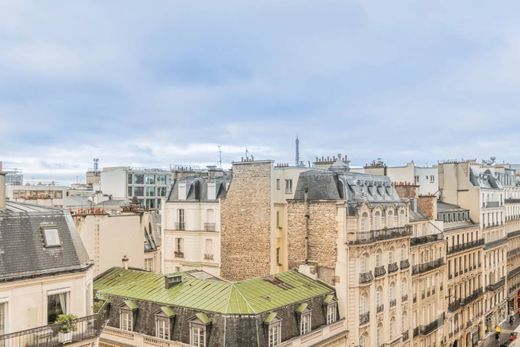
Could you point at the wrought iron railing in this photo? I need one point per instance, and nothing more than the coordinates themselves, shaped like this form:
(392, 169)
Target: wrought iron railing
(379, 271)
(392, 267)
(419, 240)
(85, 328)
(496, 285)
(365, 277)
(364, 318)
(416, 269)
(404, 264)
(209, 227)
(464, 246)
(377, 235)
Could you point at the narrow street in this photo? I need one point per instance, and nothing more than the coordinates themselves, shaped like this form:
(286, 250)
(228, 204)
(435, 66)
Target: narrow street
(490, 341)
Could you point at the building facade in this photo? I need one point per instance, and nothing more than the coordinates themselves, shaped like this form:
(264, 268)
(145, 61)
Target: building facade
(196, 309)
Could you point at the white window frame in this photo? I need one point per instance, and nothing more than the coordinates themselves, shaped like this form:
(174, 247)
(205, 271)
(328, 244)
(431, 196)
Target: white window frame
(126, 319)
(66, 291)
(275, 333)
(306, 322)
(197, 335)
(3, 316)
(162, 327)
(332, 312)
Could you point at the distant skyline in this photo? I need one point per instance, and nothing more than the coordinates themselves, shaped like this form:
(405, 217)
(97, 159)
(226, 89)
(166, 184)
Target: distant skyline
(154, 84)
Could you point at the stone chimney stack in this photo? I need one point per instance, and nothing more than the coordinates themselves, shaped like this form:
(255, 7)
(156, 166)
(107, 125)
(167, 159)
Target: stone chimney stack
(2, 187)
(125, 262)
(427, 204)
(406, 190)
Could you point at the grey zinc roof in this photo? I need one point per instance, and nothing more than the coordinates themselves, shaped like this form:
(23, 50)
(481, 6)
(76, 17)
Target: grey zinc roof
(342, 184)
(484, 180)
(22, 250)
(197, 188)
(444, 206)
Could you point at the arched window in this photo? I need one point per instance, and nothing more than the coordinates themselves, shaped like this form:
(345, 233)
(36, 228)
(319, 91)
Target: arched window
(363, 303)
(379, 341)
(363, 223)
(402, 221)
(391, 291)
(404, 287)
(379, 258)
(404, 321)
(364, 266)
(379, 296)
(390, 215)
(403, 252)
(391, 255)
(377, 220)
(392, 328)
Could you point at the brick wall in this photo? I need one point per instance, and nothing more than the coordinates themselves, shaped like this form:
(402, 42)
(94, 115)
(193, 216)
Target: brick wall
(427, 204)
(406, 190)
(322, 235)
(246, 222)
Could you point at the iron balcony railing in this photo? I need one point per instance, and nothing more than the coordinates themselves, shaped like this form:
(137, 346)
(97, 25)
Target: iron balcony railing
(453, 306)
(513, 253)
(365, 277)
(180, 226)
(392, 267)
(178, 254)
(405, 335)
(495, 243)
(404, 297)
(492, 204)
(86, 328)
(419, 240)
(380, 308)
(364, 318)
(404, 264)
(496, 285)
(393, 302)
(420, 268)
(512, 200)
(465, 246)
(209, 227)
(208, 256)
(377, 235)
(379, 271)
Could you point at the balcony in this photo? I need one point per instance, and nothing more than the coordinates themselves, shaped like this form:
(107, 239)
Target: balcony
(180, 226)
(417, 269)
(365, 277)
(86, 328)
(496, 285)
(393, 302)
(392, 267)
(453, 306)
(513, 253)
(419, 240)
(363, 237)
(415, 331)
(404, 264)
(178, 254)
(379, 271)
(208, 257)
(380, 308)
(364, 318)
(209, 227)
(491, 204)
(404, 298)
(428, 329)
(495, 243)
(512, 201)
(465, 246)
(405, 335)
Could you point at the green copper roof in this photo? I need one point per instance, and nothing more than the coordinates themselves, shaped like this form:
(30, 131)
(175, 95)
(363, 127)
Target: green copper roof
(131, 304)
(251, 296)
(270, 317)
(168, 311)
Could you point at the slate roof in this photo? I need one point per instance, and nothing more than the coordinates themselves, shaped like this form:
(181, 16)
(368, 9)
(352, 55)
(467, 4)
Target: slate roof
(250, 296)
(197, 188)
(444, 206)
(484, 180)
(339, 184)
(22, 250)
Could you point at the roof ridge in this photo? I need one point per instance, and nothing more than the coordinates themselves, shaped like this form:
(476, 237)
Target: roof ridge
(242, 295)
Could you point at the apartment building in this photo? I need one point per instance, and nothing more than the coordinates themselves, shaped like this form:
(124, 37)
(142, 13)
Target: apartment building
(424, 177)
(475, 187)
(191, 221)
(45, 272)
(465, 292)
(194, 308)
(148, 186)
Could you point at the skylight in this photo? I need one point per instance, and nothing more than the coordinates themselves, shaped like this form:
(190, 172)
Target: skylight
(51, 237)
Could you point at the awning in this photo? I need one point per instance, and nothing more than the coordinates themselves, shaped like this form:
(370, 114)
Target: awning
(270, 317)
(130, 304)
(168, 311)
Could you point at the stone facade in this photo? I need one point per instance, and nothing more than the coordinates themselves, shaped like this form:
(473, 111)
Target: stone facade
(246, 222)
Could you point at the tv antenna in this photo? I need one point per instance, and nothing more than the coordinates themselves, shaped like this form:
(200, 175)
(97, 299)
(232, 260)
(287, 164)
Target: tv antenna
(220, 156)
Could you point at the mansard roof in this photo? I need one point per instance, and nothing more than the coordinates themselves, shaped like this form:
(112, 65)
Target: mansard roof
(23, 252)
(197, 188)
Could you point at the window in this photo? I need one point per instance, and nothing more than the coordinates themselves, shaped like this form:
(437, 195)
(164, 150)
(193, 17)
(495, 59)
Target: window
(277, 184)
(162, 327)
(288, 186)
(363, 340)
(161, 179)
(129, 179)
(161, 191)
(138, 191)
(332, 309)
(278, 219)
(275, 333)
(129, 191)
(180, 219)
(379, 258)
(379, 338)
(305, 322)
(377, 221)
(363, 303)
(379, 296)
(179, 247)
(197, 335)
(363, 222)
(3, 317)
(149, 179)
(278, 256)
(392, 328)
(126, 320)
(57, 304)
(391, 255)
(208, 247)
(150, 191)
(51, 237)
(138, 179)
(364, 263)
(148, 264)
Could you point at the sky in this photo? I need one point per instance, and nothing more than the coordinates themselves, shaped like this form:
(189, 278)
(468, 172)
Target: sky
(160, 83)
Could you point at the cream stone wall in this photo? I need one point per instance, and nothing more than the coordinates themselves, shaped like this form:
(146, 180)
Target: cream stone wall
(27, 299)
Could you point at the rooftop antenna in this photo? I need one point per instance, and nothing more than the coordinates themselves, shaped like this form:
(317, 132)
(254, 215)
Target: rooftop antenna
(220, 156)
(297, 158)
(247, 153)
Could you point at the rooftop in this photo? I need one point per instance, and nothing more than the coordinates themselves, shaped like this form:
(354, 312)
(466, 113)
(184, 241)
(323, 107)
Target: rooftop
(252, 296)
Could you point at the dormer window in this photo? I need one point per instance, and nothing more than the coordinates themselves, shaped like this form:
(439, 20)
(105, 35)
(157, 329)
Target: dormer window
(51, 237)
(274, 329)
(163, 321)
(305, 318)
(198, 331)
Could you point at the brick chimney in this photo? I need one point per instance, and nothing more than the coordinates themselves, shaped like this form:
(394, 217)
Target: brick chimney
(427, 204)
(406, 190)
(2, 187)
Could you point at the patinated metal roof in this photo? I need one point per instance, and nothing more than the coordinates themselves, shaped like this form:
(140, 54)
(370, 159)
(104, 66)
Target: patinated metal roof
(251, 296)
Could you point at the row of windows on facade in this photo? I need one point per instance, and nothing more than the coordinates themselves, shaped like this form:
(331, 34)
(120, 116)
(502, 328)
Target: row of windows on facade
(198, 332)
(146, 191)
(147, 179)
(451, 217)
(379, 257)
(288, 185)
(463, 263)
(37, 194)
(154, 204)
(492, 199)
(463, 239)
(430, 178)
(492, 219)
(179, 248)
(380, 220)
(209, 224)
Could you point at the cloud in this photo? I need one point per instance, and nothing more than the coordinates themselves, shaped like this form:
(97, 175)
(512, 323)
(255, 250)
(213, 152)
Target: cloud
(165, 83)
